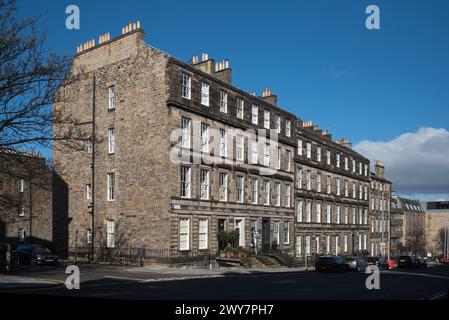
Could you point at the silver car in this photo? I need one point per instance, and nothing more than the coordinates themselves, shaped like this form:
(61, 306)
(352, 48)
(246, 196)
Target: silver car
(356, 263)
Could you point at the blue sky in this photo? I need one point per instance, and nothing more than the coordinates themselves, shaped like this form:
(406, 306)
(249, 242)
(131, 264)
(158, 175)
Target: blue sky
(317, 56)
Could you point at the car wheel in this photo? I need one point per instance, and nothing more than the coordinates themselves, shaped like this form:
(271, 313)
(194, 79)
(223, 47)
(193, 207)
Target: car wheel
(33, 261)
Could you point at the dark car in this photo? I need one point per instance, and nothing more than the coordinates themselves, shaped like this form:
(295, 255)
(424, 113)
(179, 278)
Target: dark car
(411, 262)
(356, 263)
(331, 264)
(379, 262)
(34, 255)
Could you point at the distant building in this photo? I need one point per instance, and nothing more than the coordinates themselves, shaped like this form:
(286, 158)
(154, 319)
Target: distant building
(437, 218)
(411, 215)
(379, 211)
(26, 213)
(397, 237)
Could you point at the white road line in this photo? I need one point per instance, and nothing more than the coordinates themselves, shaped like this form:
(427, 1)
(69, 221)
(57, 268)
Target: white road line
(438, 295)
(164, 279)
(415, 274)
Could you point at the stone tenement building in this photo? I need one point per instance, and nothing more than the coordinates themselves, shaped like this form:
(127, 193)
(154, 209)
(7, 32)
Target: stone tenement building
(437, 219)
(380, 196)
(396, 227)
(332, 186)
(26, 213)
(180, 153)
(409, 216)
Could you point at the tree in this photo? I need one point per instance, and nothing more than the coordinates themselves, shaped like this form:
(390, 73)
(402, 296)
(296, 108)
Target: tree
(30, 76)
(439, 241)
(415, 240)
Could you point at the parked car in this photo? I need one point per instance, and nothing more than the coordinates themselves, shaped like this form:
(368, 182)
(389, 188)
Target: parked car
(442, 260)
(356, 263)
(34, 255)
(411, 262)
(379, 262)
(331, 264)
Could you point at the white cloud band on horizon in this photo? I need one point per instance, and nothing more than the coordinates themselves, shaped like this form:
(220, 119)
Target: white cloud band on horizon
(416, 162)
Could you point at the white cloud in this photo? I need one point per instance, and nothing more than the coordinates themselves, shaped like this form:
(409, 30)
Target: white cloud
(416, 163)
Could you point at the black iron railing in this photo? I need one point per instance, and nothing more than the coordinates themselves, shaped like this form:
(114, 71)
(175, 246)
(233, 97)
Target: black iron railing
(141, 256)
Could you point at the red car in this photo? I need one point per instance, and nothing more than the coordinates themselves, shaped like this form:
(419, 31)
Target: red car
(443, 260)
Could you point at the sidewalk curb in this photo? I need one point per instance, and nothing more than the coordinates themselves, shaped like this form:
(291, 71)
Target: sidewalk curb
(53, 284)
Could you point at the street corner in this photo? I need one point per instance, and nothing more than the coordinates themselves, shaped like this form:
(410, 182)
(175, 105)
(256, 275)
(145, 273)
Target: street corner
(17, 283)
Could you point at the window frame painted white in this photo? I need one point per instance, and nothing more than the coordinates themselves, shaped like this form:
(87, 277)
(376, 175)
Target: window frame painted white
(288, 128)
(203, 234)
(277, 123)
(254, 190)
(184, 234)
(276, 231)
(328, 213)
(266, 154)
(21, 185)
(277, 194)
(223, 183)
(110, 233)
(286, 232)
(308, 211)
(205, 137)
(299, 209)
(223, 101)
(223, 143)
(287, 195)
(111, 140)
(240, 108)
(185, 182)
(240, 188)
(254, 152)
(204, 184)
(309, 150)
(266, 192)
(254, 114)
(186, 129)
(266, 119)
(112, 97)
(88, 191)
(204, 94)
(186, 86)
(111, 186)
(318, 212)
(318, 153)
(299, 147)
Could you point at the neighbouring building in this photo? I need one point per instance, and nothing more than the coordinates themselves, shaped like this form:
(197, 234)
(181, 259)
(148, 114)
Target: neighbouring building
(332, 186)
(410, 217)
(437, 219)
(396, 227)
(26, 204)
(379, 209)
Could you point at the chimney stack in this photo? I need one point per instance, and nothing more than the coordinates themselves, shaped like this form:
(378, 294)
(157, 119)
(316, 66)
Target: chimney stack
(268, 97)
(223, 72)
(379, 168)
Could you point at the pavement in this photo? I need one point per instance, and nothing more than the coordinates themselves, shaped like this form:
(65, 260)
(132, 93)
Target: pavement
(8, 282)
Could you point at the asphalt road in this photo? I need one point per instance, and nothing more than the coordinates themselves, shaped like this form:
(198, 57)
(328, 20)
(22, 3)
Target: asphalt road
(408, 284)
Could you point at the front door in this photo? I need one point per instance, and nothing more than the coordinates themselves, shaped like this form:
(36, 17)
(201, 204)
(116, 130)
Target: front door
(240, 227)
(265, 234)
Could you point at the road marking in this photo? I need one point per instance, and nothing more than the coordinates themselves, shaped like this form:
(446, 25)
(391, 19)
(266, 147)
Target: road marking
(165, 279)
(415, 274)
(438, 295)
